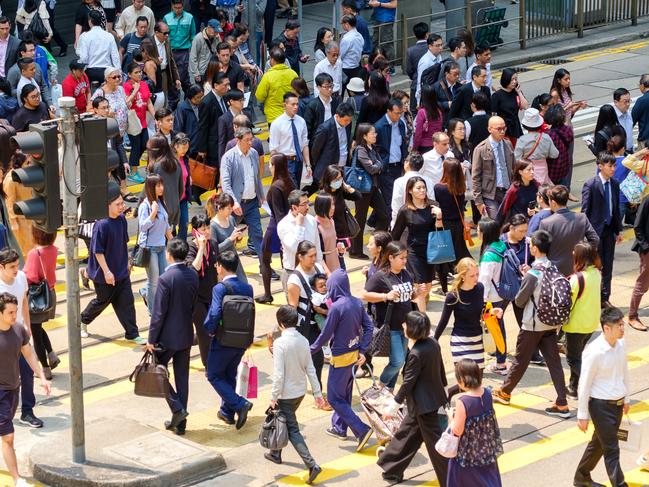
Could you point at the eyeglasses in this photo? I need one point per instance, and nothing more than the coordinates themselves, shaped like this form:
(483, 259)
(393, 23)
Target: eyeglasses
(165, 33)
(117, 76)
(501, 129)
(327, 87)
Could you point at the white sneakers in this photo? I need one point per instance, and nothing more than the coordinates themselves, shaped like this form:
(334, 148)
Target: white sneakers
(84, 331)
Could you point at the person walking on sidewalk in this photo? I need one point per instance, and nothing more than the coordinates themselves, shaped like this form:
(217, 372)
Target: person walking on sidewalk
(641, 246)
(348, 330)
(534, 333)
(171, 328)
(603, 397)
(291, 364)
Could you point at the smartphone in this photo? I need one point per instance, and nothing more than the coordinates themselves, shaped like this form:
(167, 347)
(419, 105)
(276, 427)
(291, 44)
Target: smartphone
(532, 205)
(241, 228)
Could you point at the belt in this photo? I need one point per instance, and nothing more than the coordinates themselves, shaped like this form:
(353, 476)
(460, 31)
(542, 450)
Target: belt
(180, 50)
(291, 158)
(248, 200)
(611, 402)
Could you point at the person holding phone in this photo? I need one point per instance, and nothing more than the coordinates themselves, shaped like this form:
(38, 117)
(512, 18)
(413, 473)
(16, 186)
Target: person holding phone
(223, 228)
(520, 198)
(508, 101)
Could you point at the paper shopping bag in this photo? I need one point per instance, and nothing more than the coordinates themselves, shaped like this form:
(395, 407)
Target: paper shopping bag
(253, 382)
(630, 434)
(243, 378)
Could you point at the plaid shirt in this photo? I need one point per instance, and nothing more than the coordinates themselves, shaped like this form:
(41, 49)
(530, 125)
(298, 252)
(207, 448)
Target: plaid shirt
(562, 137)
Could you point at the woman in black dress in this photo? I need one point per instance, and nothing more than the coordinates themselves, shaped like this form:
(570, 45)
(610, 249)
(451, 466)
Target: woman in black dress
(375, 104)
(420, 217)
(508, 101)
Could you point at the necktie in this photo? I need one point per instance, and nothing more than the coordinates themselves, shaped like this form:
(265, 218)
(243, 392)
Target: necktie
(223, 107)
(607, 196)
(296, 141)
(503, 164)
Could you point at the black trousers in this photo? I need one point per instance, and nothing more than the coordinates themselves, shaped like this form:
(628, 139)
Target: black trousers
(269, 21)
(42, 344)
(606, 251)
(120, 296)
(406, 442)
(575, 344)
(177, 398)
(95, 75)
(386, 182)
(56, 37)
(200, 312)
(606, 419)
(376, 201)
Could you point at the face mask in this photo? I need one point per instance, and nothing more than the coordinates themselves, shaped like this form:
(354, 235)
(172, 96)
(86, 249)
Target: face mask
(336, 184)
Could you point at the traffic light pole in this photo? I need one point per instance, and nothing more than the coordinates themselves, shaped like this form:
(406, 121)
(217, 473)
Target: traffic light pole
(71, 226)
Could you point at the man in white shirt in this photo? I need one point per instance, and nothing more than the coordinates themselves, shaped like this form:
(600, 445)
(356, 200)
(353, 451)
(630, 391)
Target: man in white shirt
(622, 103)
(412, 167)
(97, 49)
(434, 159)
(170, 77)
(603, 397)
(128, 18)
(433, 56)
(482, 58)
(351, 48)
(288, 136)
(332, 65)
(27, 68)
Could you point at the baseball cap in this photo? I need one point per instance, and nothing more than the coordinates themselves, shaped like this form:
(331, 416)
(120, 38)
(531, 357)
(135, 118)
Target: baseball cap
(77, 65)
(216, 25)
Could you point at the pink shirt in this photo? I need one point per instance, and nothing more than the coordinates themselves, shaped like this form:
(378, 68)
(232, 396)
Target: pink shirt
(3, 55)
(424, 129)
(33, 269)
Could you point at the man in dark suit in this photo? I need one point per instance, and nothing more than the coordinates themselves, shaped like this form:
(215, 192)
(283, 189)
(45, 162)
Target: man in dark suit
(447, 88)
(423, 390)
(322, 107)
(567, 228)
(461, 107)
(392, 146)
(225, 124)
(222, 361)
(331, 143)
(413, 55)
(600, 202)
(212, 106)
(478, 129)
(171, 328)
(11, 53)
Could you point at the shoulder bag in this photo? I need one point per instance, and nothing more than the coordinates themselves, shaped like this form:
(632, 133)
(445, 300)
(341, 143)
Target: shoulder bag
(634, 184)
(352, 225)
(540, 165)
(151, 379)
(133, 124)
(465, 230)
(39, 294)
(37, 26)
(356, 175)
(274, 431)
(202, 175)
(141, 254)
(380, 343)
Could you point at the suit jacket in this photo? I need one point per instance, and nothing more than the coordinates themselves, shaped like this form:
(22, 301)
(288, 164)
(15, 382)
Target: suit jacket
(483, 169)
(314, 115)
(171, 69)
(461, 107)
(207, 141)
(384, 138)
(325, 147)
(593, 204)
(444, 98)
(424, 378)
(173, 308)
(233, 177)
(413, 55)
(479, 129)
(11, 56)
(225, 129)
(567, 229)
(215, 313)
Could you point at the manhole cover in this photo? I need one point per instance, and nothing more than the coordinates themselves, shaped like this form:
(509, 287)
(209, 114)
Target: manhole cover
(155, 450)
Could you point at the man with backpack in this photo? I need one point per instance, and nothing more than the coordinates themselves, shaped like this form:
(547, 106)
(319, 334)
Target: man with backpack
(545, 295)
(230, 322)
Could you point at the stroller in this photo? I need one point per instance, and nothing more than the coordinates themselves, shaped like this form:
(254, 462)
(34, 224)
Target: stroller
(375, 402)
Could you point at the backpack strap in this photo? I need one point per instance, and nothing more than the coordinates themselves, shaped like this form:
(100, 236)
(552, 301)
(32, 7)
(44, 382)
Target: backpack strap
(581, 284)
(228, 287)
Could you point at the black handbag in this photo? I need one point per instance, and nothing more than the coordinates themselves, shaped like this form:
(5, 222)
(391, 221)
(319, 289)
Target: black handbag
(38, 295)
(37, 27)
(150, 378)
(274, 432)
(352, 225)
(141, 254)
(380, 344)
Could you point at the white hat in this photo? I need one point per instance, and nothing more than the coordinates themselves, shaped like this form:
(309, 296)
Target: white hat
(532, 119)
(356, 85)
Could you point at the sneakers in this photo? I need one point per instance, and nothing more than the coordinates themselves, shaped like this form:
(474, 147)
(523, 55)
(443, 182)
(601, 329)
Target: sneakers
(84, 331)
(138, 340)
(335, 434)
(30, 420)
(135, 177)
(362, 441)
(501, 397)
(274, 276)
(497, 369)
(559, 411)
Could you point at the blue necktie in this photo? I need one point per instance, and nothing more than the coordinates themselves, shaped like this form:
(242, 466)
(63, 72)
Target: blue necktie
(607, 196)
(296, 141)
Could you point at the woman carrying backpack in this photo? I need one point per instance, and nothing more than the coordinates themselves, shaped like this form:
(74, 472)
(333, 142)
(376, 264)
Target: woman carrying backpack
(584, 315)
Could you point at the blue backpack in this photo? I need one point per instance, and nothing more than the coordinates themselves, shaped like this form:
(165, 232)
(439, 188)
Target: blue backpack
(510, 274)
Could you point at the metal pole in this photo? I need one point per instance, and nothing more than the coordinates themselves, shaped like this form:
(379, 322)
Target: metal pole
(522, 25)
(580, 18)
(634, 12)
(252, 25)
(71, 226)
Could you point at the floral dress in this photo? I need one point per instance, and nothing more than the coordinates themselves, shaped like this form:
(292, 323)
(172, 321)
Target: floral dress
(117, 104)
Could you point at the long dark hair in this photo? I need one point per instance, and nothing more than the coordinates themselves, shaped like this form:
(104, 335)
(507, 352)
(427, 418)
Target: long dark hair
(378, 94)
(556, 85)
(410, 203)
(606, 119)
(490, 230)
(30, 6)
(453, 176)
(318, 38)
(150, 183)
(330, 173)
(395, 247)
(361, 131)
(160, 151)
(429, 102)
(520, 165)
(381, 239)
(281, 177)
(463, 150)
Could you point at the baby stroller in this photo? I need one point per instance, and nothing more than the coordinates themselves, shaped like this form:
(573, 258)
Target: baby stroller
(376, 401)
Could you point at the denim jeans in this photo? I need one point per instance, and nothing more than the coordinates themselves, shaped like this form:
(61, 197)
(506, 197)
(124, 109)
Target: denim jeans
(181, 229)
(253, 220)
(295, 171)
(157, 265)
(288, 408)
(398, 347)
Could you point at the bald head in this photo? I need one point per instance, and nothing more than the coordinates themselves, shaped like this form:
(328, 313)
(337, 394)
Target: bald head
(497, 128)
(440, 143)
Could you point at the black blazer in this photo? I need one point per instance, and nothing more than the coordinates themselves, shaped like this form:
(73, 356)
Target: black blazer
(424, 378)
(445, 95)
(325, 146)
(593, 204)
(11, 56)
(173, 307)
(413, 55)
(461, 107)
(479, 129)
(207, 141)
(314, 115)
(225, 129)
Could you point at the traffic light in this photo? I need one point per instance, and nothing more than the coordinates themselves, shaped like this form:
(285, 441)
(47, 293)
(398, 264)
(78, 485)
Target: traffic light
(42, 175)
(96, 160)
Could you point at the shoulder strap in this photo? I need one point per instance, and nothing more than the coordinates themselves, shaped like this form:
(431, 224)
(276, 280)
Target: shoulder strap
(581, 284)
(305, 285)
(536, 144)
(228, 287)
(41, 262)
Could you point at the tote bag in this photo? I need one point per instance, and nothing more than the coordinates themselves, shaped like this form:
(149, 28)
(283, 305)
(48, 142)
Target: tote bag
(634, 184)
(357, 177)
(440, 247)
(134, 126)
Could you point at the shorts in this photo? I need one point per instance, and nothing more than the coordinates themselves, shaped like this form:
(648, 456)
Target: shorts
(8, 406)
(111, 13)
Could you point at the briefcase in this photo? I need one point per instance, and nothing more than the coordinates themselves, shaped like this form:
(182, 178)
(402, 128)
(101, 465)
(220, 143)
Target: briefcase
(202, 175)
(150, 378)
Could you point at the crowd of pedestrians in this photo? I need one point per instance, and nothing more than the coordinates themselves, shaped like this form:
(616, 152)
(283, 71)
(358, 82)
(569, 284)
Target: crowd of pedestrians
(185, 89)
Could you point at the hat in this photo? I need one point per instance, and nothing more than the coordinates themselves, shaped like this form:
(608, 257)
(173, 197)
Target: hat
(215, 24)
(532, 119)
(77, 65)
(356, 85)
(113, 191)
(110, 70)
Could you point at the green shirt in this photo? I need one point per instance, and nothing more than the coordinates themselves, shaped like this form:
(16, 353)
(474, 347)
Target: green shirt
(181, 30)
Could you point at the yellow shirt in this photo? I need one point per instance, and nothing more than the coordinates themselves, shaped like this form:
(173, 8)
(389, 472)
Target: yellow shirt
(584, 317)
(271, 89)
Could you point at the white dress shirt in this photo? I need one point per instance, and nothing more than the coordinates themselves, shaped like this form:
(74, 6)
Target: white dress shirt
(335, 71)
(399, 192)
(327, 108)
(291, 234)
(426, 61)
(626, 121)
(162, 53)
(248, 175)
(433, 165)
(604, 374)
(97, 49)
(351, 49)
(281, 135)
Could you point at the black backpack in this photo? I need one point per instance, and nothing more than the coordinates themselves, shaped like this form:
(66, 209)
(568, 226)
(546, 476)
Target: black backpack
(237, 320)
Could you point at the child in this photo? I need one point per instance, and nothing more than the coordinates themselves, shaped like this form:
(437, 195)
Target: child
(181, 146)
(319, 299)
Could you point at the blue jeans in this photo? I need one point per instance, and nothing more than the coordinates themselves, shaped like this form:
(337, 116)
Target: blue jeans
(253, 220)
(398, 347)
(181, 229)
(295, 171)
(157, 265)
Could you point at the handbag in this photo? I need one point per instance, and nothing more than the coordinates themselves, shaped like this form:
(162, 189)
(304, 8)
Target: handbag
(440, 247)
(141, 254)
(38, 294)
(150, 378)
(352, 225)
(133, 124)
(274, 431)
(37, 26)
(247, 378)
(447, 444)
(634, 185)
(202, 175)
(357, 177)
(629, 434)
(466, 231)
(380, 343)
